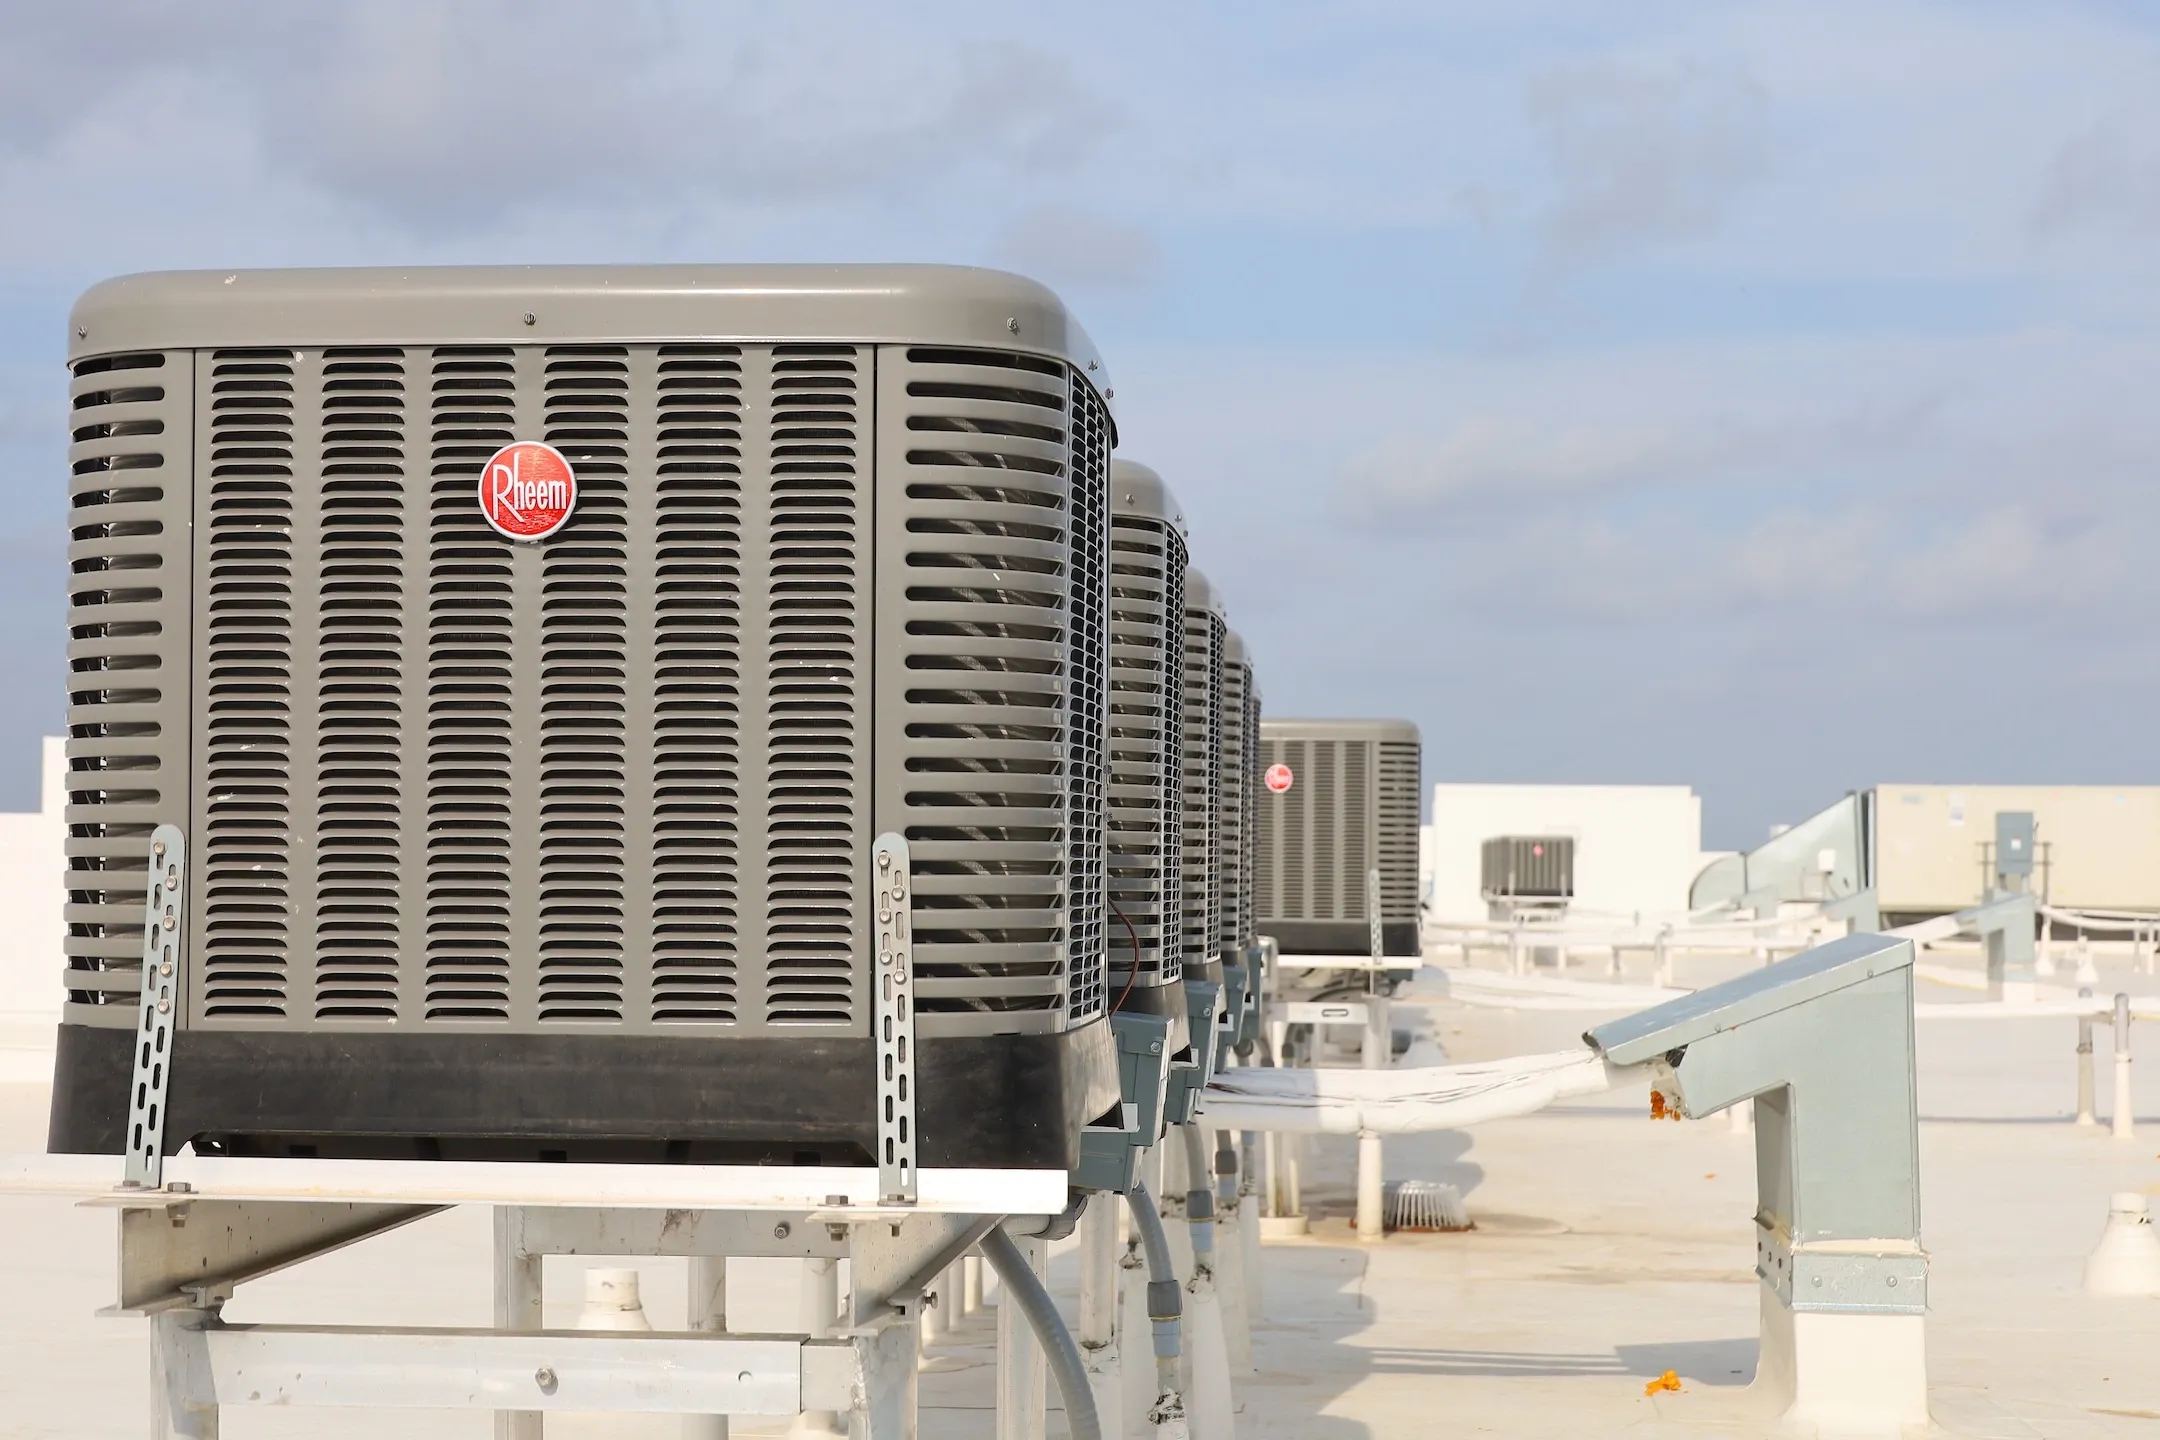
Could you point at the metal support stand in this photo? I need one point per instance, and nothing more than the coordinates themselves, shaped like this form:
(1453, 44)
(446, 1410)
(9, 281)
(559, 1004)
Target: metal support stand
(222, 1222)
(517, 1305)
(707, 1314)
(1371, 1168)
(2085, 1097)
(1022, 1379)
(2122, 1124)
(1100, 1347)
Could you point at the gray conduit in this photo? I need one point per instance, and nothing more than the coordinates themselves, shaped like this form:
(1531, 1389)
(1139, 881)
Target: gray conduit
(1034, 1301)
(1199, 1199)
(1165, 1304)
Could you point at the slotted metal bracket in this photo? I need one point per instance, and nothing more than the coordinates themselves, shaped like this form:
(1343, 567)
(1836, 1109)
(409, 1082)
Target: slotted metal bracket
(894, 1011)
(162, 900)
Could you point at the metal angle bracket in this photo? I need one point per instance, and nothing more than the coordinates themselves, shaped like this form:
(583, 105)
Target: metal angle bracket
(894, 1012)
(164, 889)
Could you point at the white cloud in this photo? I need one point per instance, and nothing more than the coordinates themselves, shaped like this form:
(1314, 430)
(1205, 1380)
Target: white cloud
(1524, 460)
(453, 120)
(1065, 245)
(1645, 155)
(2099, 179)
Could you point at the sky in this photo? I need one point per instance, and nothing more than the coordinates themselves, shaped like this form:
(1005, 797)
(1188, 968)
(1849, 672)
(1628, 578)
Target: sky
(1757, 397)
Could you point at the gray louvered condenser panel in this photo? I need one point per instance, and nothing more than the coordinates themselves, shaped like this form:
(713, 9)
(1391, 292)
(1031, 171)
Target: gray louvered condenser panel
(1201, 815)
(459, 784)
(1352, 806)
(1146, 741)
(130, 450)
(1233, 892)
(993, 673)
(1396, 799)
(1249, 817)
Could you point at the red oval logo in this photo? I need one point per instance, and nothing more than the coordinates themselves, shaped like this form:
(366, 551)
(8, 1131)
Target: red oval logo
(1277, 778)
(527, 491)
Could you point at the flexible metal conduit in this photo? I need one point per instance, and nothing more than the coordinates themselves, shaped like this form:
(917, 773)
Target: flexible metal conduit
(1199, 1199)
(1163, 1293)
(1034, 1301)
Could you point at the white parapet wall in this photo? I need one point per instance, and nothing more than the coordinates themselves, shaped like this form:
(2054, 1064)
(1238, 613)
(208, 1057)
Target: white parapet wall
(33, 858)
(1637, 847)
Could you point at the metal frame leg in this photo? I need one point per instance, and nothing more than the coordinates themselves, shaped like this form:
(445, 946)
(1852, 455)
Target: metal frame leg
(177, 1353)
(707, 1312)
(517, 1307)
(1022, 1375)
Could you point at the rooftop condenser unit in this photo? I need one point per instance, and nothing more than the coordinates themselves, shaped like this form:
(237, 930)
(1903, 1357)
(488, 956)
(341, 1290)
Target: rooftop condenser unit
(1147, 736)
(1341, 800)
(531, 660)
(1206, 638)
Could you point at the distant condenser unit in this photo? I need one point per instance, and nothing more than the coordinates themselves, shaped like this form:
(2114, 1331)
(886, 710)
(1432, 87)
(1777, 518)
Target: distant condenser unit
(1537, 868)
(1147, 743)
(1339, 798)
(530, 658)
(1206, 637)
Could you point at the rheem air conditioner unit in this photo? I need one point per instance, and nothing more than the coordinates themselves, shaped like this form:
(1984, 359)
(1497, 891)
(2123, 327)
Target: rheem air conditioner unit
(1147, 735)
(1206, 637)
(531, 658)
(1348, 803)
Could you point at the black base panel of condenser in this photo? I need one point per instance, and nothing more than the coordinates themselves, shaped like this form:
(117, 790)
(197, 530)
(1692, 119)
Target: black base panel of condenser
(1006, 1101)
(1342, 937)
(1164, 1000)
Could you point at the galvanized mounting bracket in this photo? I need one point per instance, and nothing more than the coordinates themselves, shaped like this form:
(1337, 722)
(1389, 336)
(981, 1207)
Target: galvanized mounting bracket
(894, 1012)
(163, 891)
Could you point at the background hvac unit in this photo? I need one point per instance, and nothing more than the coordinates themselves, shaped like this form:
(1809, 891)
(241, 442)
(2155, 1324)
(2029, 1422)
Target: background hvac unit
(1535, 871)
(562, 848)
(1147, 738)
(1205, 638)
(1352, 804)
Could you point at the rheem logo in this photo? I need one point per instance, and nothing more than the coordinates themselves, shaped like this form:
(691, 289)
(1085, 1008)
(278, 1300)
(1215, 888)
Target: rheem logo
(528, 491)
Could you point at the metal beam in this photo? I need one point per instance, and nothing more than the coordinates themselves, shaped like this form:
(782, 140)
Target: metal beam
(453, 1369)
(187, 1253)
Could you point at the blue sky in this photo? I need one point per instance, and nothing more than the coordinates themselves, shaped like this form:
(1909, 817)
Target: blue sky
(1751, 396)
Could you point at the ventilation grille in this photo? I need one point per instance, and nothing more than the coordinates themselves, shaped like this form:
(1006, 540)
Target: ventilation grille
(360, 685)
(129, 454)
(1202, 809)
(584, 675)
(1249, 811)
(471, 634)
(1352, 803)
(1147, 604)
(507, 783)
(982, 544)
(814, 689)
(1396, 839)
(1087, 683)
(1230, 806)
(446, 781)
(697, 782)
(245, 601)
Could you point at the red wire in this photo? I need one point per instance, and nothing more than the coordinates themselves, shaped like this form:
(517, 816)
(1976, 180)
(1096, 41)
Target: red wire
(1129, 979)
